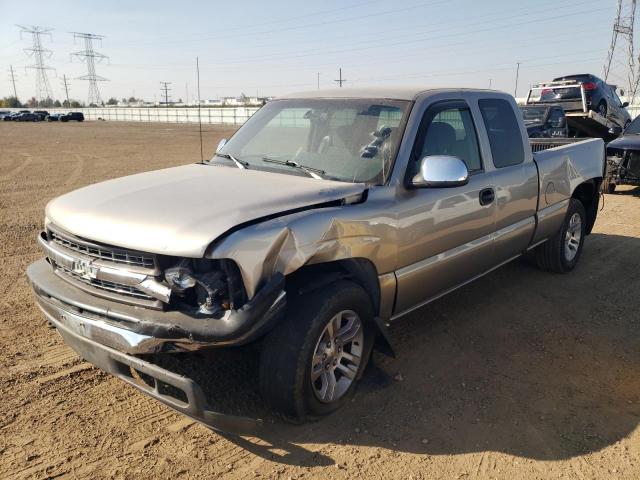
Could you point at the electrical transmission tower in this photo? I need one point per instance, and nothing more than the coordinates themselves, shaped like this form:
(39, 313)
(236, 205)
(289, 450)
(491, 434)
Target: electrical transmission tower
(165, 92)
(39, 53)
(340, 80)
(90, 57)
(621, 65)
(66, 89)
(12, 76)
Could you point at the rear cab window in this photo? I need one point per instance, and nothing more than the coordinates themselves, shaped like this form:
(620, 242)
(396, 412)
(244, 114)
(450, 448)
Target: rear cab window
(503, 131)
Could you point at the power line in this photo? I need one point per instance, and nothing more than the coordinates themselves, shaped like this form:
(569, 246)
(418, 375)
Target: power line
(165, 89)
(13, 81)
(90, 57)
(340, 80)
(39, 53)
(623, 27)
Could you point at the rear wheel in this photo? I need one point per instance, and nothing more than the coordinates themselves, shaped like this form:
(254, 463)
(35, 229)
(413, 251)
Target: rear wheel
(602, 108)
(311, 362)
(561, 252)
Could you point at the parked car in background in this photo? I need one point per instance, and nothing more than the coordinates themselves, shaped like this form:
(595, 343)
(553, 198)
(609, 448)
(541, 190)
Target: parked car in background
(27, 117)
(599, 97)
(4, 113)
(623, 158)
(77, 116)
(545, 121)
(325, 217)
(14, 115)
(54, 117)
(43, 114)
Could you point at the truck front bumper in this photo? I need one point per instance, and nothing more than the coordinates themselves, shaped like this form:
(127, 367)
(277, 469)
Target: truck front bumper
(109, 336)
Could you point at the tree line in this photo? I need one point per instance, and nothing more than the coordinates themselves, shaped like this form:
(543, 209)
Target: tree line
(13, 102)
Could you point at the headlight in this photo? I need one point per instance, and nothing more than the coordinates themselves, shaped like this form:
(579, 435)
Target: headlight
(180, 277)
(209, 286)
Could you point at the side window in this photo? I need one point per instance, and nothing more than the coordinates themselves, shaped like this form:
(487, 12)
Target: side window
(450, 131)
(616, 97)
(503, 131)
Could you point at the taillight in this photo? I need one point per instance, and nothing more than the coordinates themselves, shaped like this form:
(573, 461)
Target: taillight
(589, 86)
(546, 91)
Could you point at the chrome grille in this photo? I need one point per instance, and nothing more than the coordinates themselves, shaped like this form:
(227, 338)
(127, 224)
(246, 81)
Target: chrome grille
(116, 288)
(102, 252)
(88, 251)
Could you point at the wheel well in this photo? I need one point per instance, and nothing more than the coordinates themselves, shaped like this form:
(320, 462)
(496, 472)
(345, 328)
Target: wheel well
(589, 194)
(359, 270)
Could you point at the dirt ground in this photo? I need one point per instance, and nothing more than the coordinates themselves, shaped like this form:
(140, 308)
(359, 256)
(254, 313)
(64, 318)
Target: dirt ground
(520, 375)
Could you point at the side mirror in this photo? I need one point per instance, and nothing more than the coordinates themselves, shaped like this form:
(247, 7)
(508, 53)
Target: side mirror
(625, 104)
(441, 171)
(615, 130)
(221, 144)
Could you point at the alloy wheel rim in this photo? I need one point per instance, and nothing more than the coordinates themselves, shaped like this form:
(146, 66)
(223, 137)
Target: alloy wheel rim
(337, 356)
(572, 237)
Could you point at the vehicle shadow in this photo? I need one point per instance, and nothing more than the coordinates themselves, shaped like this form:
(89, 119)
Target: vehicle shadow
(631, 191)
(524, 362)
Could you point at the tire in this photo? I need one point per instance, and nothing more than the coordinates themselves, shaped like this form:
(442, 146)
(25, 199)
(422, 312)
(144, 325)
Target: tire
(560, 254)
(611, 187)
(602, 108)
(289, 351)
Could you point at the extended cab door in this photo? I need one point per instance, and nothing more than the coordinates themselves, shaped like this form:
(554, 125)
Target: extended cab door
(444, 234)
(515, 177)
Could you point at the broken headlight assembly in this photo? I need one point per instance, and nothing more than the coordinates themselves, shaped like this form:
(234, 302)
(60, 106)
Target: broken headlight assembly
(207, 287)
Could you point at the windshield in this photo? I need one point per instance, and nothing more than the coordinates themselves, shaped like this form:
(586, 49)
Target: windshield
(633, 128)
(533, 114)
(351, 140)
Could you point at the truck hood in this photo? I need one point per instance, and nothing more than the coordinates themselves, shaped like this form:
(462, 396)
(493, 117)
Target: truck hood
(180, 211)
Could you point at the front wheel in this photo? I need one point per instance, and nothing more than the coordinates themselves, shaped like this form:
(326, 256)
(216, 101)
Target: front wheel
(311, 362)
(561, 252)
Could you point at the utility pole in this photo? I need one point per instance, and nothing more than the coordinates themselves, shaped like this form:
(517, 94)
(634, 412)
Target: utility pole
(90, 57)
(490, 83)
(318, 80)
(515, 92)
(187, 87)
(66, 89)
(165, 89)
(13, 81)
(39, 53)
(340, 80)
(621, 59)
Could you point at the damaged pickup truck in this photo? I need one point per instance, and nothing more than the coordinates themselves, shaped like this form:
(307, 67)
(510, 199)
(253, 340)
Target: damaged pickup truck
(327, 216)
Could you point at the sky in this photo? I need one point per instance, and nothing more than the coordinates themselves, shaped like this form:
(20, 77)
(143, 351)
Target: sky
(271, 48)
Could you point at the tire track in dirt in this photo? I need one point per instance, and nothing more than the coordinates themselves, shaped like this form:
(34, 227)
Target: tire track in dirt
(16, 170)
(78, 170)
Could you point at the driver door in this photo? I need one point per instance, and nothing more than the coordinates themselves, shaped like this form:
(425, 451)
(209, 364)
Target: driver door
(445, 234)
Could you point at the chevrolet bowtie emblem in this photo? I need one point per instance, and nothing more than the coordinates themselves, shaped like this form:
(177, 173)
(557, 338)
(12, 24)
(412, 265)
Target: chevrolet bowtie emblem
(84, 269)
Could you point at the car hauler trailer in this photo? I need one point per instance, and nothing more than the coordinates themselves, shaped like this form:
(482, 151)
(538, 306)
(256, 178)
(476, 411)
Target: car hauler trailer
(582, 120)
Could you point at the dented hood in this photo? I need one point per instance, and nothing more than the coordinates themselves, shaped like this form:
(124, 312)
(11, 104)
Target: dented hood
(180, 211)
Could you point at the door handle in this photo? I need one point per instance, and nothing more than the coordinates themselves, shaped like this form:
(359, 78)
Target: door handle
(487, 196)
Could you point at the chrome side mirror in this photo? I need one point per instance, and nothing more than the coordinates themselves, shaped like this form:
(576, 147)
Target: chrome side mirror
(615, 130)
(441, 171)
(221, 144)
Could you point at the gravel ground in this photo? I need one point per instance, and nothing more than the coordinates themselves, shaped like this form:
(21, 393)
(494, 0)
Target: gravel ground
(521, 375)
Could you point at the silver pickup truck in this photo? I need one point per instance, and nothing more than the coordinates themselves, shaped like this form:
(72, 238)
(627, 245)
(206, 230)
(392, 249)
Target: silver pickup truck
(325, 218)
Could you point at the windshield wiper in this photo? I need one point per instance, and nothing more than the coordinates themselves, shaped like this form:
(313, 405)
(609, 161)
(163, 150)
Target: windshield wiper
(312, 172)
(243, 164)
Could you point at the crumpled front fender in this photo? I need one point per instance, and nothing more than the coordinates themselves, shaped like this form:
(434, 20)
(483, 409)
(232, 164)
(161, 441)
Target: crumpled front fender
(285, 244)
